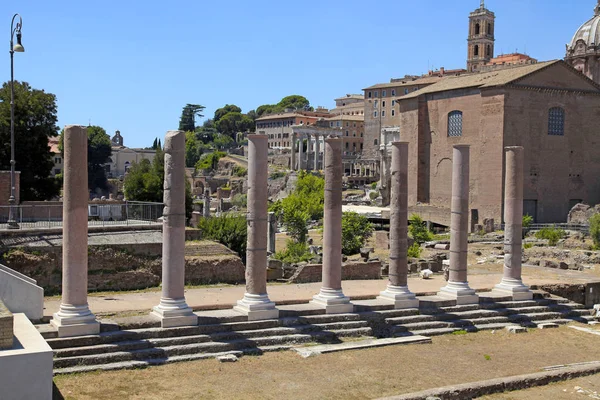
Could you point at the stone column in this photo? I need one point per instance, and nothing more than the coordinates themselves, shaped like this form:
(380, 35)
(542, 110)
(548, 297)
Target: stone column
(271, 233)
(397, 290)
(458, 287)
(173, 309)
(206, 205)
(74, 317)
(331, 296)
(317, 152)
(511, 283)
(300, 151)
(293, 154)
(256, 303)
(309, 152)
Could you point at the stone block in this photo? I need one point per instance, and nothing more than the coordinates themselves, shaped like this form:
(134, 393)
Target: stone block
(442, 246)
(516, 329)
(548, 325)
(435, 266)
(227, 358)
(6, 327)
(549, 264)
(413, 268)
(563, 265)
(382, 240)
(21, 293)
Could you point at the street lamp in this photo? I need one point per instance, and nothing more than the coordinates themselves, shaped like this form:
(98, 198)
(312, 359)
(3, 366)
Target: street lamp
(12, 222)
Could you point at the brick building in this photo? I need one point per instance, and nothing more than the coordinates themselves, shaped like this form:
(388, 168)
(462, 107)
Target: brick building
(548, 108)
(278, 127)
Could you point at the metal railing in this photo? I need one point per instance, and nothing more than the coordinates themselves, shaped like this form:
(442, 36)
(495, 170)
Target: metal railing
(42, 216)
(563, 226)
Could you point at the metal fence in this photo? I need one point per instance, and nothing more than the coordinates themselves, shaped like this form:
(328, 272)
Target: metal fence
(41, 216)
(565, 226)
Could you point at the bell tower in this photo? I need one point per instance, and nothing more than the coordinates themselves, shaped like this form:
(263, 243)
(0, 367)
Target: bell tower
(481, 38)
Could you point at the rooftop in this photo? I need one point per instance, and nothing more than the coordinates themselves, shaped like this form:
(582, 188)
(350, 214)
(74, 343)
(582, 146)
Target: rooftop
(483, 79)
(409, 81)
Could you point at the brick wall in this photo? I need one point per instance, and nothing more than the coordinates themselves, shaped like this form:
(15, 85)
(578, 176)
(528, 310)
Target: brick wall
(6, 327)
(5, 187)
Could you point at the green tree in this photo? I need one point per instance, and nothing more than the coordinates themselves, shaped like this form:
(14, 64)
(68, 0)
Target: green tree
(145, 182)
(295, 102)
(229, 230)
(35, 123)
(228, 124)
(192, 153)
(356, 229)
(187, 121)
(221, 112)
(99, 151)
(418, 230)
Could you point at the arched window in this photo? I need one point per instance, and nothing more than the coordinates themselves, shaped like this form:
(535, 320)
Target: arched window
(476, 50)
(375, 142)
(455, 123)
(556, 121)
(477, 29)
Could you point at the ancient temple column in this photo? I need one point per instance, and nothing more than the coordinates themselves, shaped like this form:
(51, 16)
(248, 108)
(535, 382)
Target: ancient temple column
(458, 287)
(317, 152)
(256, 303)
(74, 317)
(293, 154)
(397, 290)
(206, 205)
(331, 296)
(173, 309)
(511, 283)
(300, 151)
(309, 151)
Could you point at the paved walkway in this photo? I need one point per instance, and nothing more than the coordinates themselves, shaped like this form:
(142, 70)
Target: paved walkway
(225, 297)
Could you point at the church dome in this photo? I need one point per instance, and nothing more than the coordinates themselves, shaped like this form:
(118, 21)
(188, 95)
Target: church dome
(588, 33)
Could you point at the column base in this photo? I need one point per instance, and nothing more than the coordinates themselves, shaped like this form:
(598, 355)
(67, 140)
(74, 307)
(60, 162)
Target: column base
(257, 307)
(514, 288)
(73, 320)
(173, 313)
(459, 291)
(333, 301)
(400, 296)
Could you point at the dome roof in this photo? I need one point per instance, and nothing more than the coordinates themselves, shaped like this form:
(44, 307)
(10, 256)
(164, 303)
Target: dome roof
(589, 32)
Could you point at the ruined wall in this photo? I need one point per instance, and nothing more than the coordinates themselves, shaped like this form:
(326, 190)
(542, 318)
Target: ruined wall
(350, 271)
(559, 170)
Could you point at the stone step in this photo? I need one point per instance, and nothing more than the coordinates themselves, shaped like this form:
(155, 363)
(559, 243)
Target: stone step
(203, 347)
(429, 332)
(450, 309)
(534, 317)
(510, 304)
(103, 348)
(360, 344)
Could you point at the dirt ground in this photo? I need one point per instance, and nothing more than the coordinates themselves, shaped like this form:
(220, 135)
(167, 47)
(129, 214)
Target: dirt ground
(361, 374)
(581, 388)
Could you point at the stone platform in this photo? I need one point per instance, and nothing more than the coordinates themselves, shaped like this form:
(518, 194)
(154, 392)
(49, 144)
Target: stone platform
(135, 342)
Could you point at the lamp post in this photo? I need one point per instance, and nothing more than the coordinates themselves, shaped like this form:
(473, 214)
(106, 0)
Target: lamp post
(12, 222)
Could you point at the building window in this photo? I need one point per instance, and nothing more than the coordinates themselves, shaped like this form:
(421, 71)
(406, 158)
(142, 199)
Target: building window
(393, 92)
(383, 93)
(476, 50)
(337, 124)
(455, 123)
(346, 133)
(489, 29)
(383, 103)
(369, 95)
(346, 145)
(393, 103)
(331, 124)
(393, 112)
(376, 94)
(556, 121)
(489, 50)
(383, 113)
(375, 104)
(374, 114)
(477, 29)
(406, 91)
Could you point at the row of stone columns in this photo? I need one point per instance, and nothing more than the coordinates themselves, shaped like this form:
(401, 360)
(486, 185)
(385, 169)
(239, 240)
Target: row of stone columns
(302, 160)
(74, 317)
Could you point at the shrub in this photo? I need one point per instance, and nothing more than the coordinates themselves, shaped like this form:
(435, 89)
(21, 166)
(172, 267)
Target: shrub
(373, 195)
(414, 251)
(418, 230)
(229, 230)
(240, 200)
(294, 252)
(527, 221)
(356, 229)
(552, 234)
(210, 160)
(296, 223)
(595, 230)
(374, 185)
(239, 171)
(527, 245)
(277, 175)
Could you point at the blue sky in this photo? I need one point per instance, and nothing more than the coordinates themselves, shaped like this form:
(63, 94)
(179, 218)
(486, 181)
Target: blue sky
(132, 65)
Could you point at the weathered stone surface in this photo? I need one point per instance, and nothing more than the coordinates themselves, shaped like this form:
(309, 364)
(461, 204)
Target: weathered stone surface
(516, 329)
(350, 271)
(227, 358)
(6, 327)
